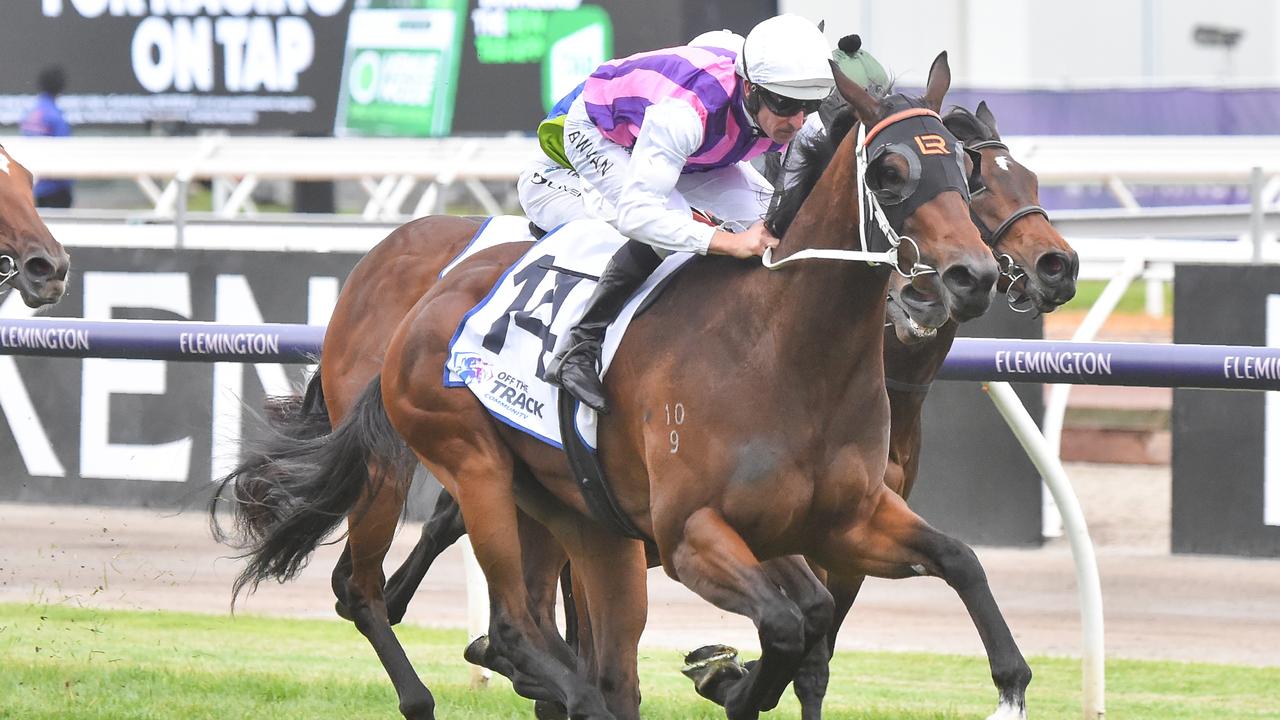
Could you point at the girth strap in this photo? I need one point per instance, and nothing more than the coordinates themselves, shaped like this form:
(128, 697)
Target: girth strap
(589, 474)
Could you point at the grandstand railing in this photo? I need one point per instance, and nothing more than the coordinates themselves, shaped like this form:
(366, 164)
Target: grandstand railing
(390, 170)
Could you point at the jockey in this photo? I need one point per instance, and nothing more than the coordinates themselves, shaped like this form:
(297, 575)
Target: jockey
(657, 133)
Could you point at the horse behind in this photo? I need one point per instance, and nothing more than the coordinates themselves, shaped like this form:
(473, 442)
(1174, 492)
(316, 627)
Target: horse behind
(31, 260)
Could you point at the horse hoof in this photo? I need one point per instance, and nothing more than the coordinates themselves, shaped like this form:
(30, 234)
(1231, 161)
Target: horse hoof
(549, 710)
(713, 668)
(476, 651)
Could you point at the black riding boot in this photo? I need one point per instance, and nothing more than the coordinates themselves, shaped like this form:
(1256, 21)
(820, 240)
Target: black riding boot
(577, 368)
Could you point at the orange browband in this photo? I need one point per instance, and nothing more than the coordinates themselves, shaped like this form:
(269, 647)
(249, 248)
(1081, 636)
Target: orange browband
(908, 113)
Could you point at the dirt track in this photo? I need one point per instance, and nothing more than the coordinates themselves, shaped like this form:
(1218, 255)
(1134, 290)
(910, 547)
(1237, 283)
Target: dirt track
(1157, 605)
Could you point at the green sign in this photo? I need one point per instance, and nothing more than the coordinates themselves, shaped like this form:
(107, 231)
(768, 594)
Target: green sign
(569, 42)
(400, 68)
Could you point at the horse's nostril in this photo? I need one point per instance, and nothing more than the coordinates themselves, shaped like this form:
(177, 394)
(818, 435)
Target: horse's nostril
(38, 268)
(960, 279)
(1052, 265)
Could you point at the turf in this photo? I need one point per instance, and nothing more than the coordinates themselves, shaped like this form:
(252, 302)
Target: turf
(67, 662)
(1132, 302)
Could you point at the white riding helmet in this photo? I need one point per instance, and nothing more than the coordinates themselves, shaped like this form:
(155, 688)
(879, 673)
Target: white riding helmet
(725, 39)
(787, 55)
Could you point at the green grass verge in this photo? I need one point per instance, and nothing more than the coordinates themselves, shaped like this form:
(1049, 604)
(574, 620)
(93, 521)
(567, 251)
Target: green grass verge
(1133, 302)
(64, 662)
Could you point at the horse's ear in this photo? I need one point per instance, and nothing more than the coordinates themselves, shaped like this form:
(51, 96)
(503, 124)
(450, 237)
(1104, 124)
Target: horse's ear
(939, 82)
(863, 103)
(984, 114)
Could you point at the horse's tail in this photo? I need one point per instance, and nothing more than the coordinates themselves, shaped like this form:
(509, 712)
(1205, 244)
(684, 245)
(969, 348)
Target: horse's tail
(293, 491)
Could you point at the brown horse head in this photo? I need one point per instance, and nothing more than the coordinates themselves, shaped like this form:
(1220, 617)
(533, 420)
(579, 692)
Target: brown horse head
(1038, 265)
(916, 172)
(30, 259)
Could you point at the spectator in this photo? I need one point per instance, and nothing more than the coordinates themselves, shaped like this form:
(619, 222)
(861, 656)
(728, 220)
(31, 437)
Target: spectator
(45, 118)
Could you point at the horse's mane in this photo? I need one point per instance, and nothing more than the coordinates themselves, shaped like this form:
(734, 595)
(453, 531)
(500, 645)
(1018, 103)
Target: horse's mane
(966, 126)
(808, 159)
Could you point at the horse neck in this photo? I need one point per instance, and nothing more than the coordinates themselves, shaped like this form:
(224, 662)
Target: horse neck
(917, 365)
(827, 303)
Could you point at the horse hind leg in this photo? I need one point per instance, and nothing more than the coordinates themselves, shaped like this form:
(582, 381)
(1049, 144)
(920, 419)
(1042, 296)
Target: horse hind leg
(369, 537)
(479, 478)
(441, 530)
(897, 543)
(370, 531)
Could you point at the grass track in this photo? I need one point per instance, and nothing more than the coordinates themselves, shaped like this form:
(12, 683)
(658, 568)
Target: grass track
(63, 662)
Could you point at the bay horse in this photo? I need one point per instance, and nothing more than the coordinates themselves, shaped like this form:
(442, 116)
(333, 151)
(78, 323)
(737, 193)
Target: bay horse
(1005, 208)
(31, 260)
(709, 533)
(1039, 272)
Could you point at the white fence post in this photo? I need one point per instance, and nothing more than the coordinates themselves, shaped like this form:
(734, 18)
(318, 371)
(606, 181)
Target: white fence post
(1088, 585)
(477, 608)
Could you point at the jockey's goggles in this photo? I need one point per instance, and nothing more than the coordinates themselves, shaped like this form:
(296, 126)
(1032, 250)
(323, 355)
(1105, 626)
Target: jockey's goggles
(784, 106)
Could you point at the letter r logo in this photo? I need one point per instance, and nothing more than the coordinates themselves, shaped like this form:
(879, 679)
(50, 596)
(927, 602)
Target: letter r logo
(932, 145)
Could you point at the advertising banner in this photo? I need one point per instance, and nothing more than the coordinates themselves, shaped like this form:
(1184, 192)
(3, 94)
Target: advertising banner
(407, 68)
(1226, 445)
(232, 63)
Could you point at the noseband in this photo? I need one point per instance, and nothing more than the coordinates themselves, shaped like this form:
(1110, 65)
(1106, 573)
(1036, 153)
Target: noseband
(1017, 299)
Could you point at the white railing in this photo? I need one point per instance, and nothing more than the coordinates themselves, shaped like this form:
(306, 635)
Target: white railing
(391, 170)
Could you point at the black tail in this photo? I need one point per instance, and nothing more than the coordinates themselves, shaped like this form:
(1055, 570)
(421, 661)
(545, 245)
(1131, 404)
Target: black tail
(296, 487)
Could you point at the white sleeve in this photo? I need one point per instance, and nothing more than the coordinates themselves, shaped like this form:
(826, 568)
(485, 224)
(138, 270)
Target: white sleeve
(671, 132)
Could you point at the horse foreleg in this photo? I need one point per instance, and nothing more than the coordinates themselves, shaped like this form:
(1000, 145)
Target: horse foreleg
(897, 543)
(370, 531)
(815, 672)
(710, 558)
(439, 532)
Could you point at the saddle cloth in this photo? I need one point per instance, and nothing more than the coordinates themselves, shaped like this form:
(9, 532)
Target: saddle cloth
(503, 345)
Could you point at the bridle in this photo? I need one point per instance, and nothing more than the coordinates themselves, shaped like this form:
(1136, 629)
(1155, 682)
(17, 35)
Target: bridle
(1016, 294)
(869, 211)
(8, 269)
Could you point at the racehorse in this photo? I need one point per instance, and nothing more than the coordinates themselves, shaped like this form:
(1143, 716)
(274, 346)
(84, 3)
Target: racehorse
(31, 260)
(709, 536)
(1039, 273)
(1006, 209)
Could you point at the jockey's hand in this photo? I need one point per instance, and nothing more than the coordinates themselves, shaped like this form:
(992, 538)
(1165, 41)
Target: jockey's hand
(747, 244)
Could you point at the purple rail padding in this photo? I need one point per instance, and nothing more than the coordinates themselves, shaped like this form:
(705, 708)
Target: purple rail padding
(160, 340)
(1225, 367)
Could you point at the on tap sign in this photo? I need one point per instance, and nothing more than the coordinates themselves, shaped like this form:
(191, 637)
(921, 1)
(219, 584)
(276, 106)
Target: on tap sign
(270, 64)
